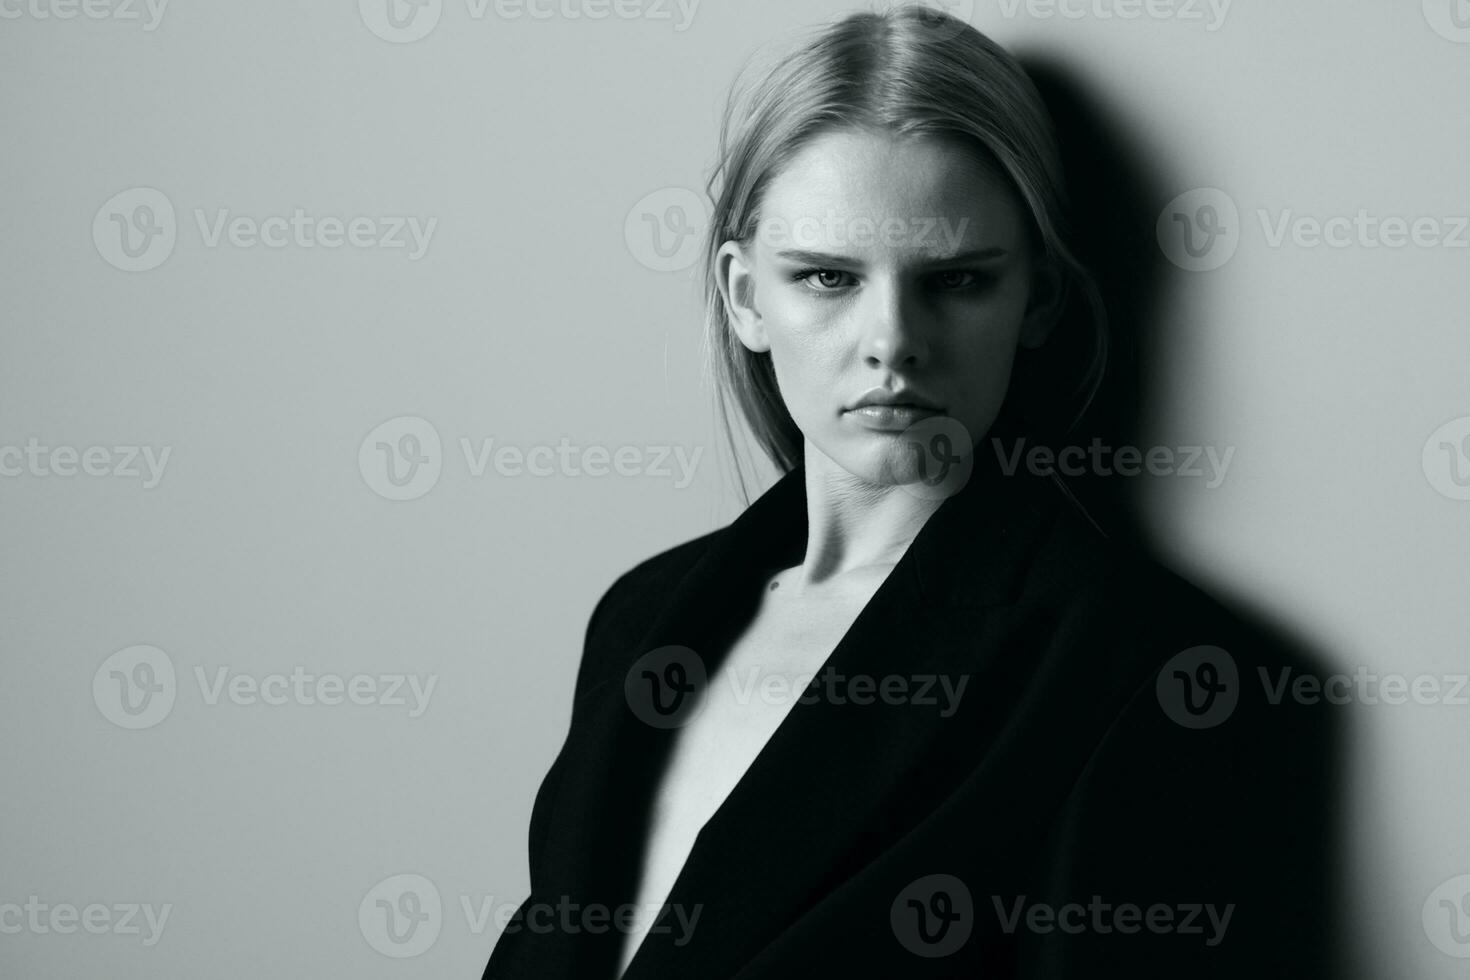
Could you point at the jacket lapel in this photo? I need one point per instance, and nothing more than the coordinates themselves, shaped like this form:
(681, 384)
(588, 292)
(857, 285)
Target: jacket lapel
(613, 758)
(838, 780)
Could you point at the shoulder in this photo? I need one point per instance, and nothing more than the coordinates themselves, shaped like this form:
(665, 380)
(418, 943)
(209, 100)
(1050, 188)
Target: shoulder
(627, 606)
(649, 580)
(1151, 647)
(1110, 590)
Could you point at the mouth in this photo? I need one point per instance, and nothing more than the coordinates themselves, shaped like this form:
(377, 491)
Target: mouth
(887, 403)
(897, 416)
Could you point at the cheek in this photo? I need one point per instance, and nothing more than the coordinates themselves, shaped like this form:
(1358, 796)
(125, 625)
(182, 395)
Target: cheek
(986, 329)
(988, 341)
(807, 340)
(1001, 309)
(980, 363)
(805, 374)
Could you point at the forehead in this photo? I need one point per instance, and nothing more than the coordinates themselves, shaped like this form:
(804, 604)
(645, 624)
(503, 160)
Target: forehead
(853, 176)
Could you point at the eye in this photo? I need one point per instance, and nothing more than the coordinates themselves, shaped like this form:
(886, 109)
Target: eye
(822, 280)
(956, 279)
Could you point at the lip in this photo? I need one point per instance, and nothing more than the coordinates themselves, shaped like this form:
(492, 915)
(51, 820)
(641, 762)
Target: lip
(890, 418)
(902, 398)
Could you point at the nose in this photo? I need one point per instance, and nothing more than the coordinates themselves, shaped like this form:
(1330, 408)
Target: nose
(893, 332)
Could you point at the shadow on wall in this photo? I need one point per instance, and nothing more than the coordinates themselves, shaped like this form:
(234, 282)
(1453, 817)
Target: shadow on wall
(1117, 192)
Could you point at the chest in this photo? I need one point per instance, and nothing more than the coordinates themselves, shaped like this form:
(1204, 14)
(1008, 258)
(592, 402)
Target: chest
(763, 675)
(760, 680)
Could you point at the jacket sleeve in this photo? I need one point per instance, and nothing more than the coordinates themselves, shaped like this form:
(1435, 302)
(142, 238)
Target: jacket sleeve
(546, 794)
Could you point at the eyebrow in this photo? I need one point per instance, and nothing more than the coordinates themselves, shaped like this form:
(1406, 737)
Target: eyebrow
(825, 258)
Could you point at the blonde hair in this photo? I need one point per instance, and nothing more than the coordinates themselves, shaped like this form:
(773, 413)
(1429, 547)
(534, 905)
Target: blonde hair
(912, 72)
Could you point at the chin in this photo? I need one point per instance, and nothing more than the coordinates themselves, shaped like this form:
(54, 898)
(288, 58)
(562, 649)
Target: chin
(889, 460)
(935, 457)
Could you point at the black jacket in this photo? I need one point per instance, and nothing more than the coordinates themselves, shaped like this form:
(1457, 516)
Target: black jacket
(1098, 800)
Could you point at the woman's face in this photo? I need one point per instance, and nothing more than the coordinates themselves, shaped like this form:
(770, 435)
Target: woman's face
(886, 264)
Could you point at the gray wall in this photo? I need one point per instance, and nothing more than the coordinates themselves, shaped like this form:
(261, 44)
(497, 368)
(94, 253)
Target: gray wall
(534, 310)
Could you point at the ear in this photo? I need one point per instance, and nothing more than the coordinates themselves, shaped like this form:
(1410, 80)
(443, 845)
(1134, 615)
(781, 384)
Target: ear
(735, 274)
(1044, 307)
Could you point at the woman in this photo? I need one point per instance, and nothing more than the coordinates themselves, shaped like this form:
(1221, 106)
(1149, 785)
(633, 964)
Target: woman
(911, 714)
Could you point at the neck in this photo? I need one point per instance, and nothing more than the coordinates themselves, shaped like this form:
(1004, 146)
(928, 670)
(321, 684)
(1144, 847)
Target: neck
(853, 525)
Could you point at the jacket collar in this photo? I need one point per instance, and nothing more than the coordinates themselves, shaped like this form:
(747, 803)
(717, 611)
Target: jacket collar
(970, 553)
